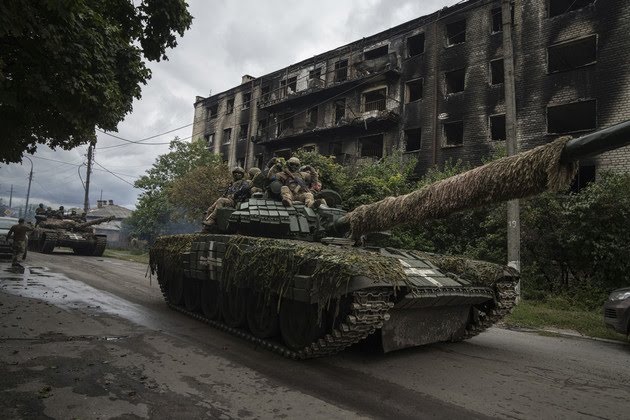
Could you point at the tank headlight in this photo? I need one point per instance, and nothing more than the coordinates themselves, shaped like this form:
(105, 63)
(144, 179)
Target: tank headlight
(622, 295)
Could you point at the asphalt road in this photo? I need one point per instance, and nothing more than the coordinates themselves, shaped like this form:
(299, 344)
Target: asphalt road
(85, 337)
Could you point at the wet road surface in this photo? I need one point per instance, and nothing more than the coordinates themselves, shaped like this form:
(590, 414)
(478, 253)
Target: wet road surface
(90, 337)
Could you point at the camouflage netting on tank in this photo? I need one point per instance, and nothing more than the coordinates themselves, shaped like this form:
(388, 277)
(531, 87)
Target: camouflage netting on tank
(479, 273)
(517, 176)
(169, 251)
(270, 265)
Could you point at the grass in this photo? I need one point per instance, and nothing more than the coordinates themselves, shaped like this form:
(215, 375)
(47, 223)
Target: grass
(127, 255)
(549, 314)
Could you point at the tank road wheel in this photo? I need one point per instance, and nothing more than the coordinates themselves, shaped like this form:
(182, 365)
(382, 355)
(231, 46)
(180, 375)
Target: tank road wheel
(262, 315)
(299, 324)
(211, 299)
(176, 289)
(99, 246)
(234, 307)
(192, 294)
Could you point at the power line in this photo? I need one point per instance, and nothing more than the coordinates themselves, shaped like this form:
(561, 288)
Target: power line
(107, 170)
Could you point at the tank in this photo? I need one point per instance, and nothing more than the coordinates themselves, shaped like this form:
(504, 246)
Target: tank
(309, 283)
(51, 233)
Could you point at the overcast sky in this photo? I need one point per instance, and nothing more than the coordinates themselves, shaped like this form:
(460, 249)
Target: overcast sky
(226, 40)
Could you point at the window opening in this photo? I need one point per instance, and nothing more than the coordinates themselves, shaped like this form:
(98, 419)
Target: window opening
(571, 55)
(229, 106)
(496, 72)
(264, 92)
(455, 81)
(335, 148)
(414, 90)
(341, 70)
(371, 146)
(415, 45)
(454, 133)
(340, 110)
(413, 139)
(259, 160)
(285, 122)
(214, 111)
(559, 7)
(315, 73)
(496, 16)
(586, 174)
(375, 100)
(227, 136)
(376, 52)
(247, 98)
(209, 138)
(568, 118)
(456, 32)
(288, 85)
(242, 134)
(283, 153)
(312, 116)
(497, 127)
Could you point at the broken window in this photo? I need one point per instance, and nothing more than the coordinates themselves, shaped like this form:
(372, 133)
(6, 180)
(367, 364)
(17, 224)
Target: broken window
(247, 98)
(242, 134)
(415, 45)
(456, 32)
(341, 70)
(496, 15)
(213, 111)
(454, 133)
(374, 100)
(414, 90)
(497, 127)
(285, 122)
(209, 138)
(264, 92)
(288, 85)
(340, 110)
(496, 71)
(315, 73)
(262, 127)
(312, 116)
(570, 55)
(455, 81)
(227, 136)
(558, 7)
(568, 118)
(371, 146)
(376, 52)
(413, 139)
(335, 148)
(229, 106)
(309, 148)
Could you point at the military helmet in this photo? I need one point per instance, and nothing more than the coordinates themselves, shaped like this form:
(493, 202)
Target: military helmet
(253, 172)
(41, 205)
(238, 169)
(294, 161)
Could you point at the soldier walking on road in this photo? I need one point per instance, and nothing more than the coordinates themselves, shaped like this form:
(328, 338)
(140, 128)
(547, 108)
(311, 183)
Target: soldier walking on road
(19, 232)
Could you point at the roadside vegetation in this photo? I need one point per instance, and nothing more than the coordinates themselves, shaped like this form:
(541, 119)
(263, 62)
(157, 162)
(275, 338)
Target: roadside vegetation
(574, 246)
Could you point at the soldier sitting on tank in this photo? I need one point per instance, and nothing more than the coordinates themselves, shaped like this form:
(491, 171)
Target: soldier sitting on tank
(40, 214)
(296, 185)
(258, 180)
(237, 192)
(60, 214)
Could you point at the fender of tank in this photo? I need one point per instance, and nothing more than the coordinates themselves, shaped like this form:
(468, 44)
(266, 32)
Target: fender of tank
(52, 233)
(295, 281)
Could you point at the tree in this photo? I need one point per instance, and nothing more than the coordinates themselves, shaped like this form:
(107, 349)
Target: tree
(68, 66)
(155, 214)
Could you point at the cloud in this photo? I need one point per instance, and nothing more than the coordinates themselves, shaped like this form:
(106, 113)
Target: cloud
(226, 41)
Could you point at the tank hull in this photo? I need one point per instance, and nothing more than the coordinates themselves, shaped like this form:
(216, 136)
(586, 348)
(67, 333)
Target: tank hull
(312, 316)
(82, 243)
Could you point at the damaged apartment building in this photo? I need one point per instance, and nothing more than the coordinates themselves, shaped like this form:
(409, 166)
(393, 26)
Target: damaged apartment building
(434, 88)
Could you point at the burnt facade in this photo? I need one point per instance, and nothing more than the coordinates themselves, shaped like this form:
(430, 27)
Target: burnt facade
(434, 87)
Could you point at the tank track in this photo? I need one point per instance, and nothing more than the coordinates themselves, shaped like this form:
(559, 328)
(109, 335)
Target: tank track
(506, 295)
(368, 311)
(99, 247)
(49, 243)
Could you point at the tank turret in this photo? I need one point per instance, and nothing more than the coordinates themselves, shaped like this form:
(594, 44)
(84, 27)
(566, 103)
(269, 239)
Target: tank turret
(293, 279)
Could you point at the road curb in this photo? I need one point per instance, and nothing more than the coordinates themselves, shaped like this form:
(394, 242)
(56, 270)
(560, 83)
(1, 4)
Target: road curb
(563, 333)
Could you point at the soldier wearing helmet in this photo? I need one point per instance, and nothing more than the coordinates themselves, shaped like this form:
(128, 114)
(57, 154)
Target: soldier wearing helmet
(258, 180)
(237, 192)
(297, 185)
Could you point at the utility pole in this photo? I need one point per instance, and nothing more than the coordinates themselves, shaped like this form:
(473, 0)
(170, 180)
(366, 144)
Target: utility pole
(11, 196)
(28, 191)
(513, 208)
(86, 200)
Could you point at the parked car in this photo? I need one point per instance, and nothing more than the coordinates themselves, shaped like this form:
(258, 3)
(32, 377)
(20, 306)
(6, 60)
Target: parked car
(617, 310)
(5, 246)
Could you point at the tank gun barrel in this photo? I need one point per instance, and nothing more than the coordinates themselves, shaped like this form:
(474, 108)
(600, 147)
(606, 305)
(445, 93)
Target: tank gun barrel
(94, 222)
(550, 167)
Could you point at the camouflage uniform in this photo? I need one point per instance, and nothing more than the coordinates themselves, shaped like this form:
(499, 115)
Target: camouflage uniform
(297, 185)
(238, 191)
(255, 175)
(19, 232)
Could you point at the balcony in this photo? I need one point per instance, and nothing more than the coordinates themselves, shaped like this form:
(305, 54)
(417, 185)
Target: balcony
(341, 79)
(369, 121)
